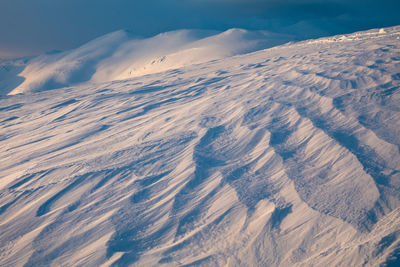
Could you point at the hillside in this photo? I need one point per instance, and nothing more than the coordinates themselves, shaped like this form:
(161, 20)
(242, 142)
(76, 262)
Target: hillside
(120, 55)
(287, 156)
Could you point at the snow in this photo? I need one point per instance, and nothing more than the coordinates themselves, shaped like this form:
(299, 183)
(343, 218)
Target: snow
(119, 55)
(287, 156)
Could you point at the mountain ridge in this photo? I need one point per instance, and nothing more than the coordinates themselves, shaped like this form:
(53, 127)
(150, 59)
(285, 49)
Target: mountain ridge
(119, 55)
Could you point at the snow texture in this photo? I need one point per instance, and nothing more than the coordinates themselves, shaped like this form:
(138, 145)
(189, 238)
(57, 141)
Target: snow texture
(181, 150)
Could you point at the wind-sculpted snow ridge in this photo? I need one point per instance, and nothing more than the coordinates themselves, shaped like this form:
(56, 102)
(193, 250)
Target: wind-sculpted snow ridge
(283, 157)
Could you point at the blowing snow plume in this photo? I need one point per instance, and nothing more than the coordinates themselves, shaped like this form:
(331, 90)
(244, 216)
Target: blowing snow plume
(119, 56)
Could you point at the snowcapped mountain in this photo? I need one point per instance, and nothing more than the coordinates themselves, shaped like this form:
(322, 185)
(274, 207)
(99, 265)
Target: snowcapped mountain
(119, 55)
(183, 150)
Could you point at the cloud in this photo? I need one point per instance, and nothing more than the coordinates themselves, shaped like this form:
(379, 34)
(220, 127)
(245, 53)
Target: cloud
(31, 27)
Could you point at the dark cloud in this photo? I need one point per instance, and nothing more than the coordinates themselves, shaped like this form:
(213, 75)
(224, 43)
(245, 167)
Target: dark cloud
(31, 27)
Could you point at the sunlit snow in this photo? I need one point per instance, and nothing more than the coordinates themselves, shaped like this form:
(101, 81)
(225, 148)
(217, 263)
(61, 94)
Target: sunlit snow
(199, 154)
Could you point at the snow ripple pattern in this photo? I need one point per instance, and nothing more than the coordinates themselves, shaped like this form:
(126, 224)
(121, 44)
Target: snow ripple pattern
(283, 157)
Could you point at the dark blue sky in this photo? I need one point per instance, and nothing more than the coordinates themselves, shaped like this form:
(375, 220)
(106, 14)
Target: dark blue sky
(34, 26)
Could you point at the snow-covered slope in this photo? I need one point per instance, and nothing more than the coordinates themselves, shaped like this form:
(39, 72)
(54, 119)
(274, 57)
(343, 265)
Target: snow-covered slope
(283, 157)
(120, 55)
(9, 74)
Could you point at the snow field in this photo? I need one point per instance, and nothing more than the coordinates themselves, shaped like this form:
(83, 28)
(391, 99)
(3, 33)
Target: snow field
(287, 156)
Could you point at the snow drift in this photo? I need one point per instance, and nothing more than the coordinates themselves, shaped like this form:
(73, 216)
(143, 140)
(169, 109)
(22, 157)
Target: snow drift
(283, 157)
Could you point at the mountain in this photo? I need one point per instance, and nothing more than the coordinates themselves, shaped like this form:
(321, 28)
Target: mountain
(120, 55)
(287, 156)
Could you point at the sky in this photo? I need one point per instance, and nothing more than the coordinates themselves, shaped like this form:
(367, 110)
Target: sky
(31, 27)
